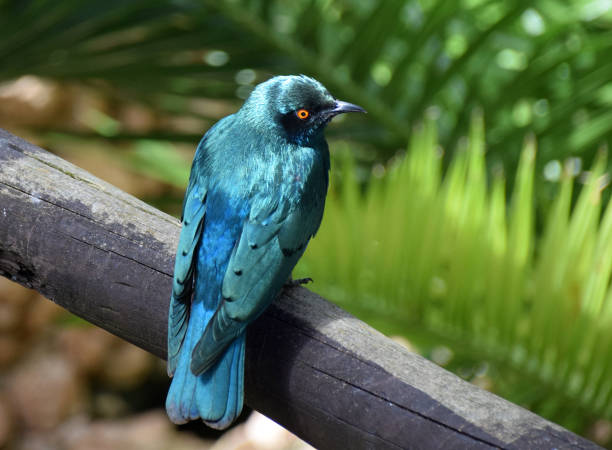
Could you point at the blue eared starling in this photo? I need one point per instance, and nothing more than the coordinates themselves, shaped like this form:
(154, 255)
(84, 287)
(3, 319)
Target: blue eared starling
(255, 198)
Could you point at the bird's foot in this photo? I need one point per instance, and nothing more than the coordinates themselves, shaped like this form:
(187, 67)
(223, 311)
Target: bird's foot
(297, 282)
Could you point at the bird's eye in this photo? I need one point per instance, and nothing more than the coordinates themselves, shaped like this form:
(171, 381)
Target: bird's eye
(302, 114)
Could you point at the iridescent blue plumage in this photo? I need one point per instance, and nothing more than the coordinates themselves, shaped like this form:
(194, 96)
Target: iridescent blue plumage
(255, 198)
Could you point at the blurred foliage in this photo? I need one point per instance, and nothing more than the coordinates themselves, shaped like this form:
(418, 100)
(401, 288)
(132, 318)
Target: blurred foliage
(439, 258)
(542, 67)
(512, 292)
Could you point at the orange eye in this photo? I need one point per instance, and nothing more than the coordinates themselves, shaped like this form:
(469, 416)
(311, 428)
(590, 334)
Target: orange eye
(302, 114)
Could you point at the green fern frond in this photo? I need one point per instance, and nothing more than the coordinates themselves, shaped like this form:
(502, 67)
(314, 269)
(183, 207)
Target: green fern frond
(446, 252)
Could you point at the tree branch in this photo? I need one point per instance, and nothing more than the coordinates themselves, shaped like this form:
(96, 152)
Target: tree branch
(312, 367)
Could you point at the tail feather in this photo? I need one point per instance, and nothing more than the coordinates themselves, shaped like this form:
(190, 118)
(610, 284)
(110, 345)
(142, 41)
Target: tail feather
(216, 395)
(220, 393)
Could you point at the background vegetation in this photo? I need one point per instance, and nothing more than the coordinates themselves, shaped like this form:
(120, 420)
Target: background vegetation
(488, 248)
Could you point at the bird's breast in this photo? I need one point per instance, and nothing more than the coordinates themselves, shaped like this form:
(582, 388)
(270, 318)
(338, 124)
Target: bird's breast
(305, 177)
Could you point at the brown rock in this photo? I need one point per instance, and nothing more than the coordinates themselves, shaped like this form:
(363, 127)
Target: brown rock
(31, 100)
(148, 431)
(259, 432)
(44, 391)
(86, 347)
(136, 118)
(126, 365)
(6, 422)
(10, 315)
(10, 349)
(39, 313)
(38, 441)
(13, 293)
(601, 432)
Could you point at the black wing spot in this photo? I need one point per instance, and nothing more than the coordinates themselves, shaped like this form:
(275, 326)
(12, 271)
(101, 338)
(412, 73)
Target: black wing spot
(253, 246)
(238, 272)
(290, 251)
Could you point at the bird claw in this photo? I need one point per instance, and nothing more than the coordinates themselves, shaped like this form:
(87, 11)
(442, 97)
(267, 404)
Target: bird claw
(298, 282)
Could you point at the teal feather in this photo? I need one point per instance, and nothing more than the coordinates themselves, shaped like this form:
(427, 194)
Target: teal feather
(194, 209)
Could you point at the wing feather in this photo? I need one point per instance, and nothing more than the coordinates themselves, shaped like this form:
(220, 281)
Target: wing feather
(257, 270)
(194, 210)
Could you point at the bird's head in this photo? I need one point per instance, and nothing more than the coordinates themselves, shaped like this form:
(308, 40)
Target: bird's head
(299, 107)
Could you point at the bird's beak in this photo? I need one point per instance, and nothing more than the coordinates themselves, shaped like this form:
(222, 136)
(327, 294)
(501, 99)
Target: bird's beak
(344, 107)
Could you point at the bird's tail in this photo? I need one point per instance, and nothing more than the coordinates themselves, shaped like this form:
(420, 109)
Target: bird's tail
(216, 395)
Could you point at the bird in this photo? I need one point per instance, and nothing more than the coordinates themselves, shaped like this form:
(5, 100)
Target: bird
(255, 198)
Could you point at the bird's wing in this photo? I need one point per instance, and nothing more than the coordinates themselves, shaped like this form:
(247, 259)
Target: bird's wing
(194, 209)
(261, 262)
